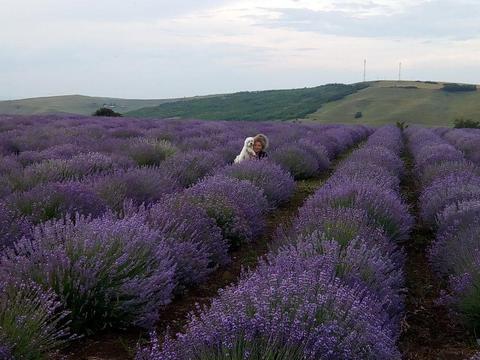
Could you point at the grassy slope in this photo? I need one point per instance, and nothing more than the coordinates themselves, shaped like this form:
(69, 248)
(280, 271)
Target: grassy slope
(75, 104)
(383, 103)
(255, 105)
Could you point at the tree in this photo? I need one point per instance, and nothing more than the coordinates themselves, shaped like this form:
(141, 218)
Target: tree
(103, 111)
(461, 123)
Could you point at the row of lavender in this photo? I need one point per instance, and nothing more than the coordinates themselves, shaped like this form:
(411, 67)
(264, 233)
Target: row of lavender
(114, 269)
(51, 165)
(331, 290)
(450, 205)
(466, 140)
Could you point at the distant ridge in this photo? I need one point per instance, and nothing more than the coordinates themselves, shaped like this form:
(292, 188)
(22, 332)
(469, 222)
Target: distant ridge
(419, 102)
(285, 104)
(75, 104)
(373, 103)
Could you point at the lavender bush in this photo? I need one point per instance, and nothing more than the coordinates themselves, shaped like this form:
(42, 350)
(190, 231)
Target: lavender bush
(105, 272)
(194, 240)
(443, 191)
(12, 226)
(237, 206)
(142, 185)
(150, 152)
(302, 164)
(296, 305)
(75, 168)
(32, 321)
(191, 166)
(277, 184)
(383, 206)
(54, 200)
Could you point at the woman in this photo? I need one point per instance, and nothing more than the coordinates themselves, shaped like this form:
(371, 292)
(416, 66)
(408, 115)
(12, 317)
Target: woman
(260, 144)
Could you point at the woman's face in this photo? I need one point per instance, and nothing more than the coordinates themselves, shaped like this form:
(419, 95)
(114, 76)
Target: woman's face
(257, 146)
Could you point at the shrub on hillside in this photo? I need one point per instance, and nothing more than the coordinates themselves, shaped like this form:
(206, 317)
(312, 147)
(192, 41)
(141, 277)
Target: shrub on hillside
(461, 123)
(458, 87)
(106, 112)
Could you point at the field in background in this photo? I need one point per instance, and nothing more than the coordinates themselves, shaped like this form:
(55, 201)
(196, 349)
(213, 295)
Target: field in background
(379, 102)
(385, 102)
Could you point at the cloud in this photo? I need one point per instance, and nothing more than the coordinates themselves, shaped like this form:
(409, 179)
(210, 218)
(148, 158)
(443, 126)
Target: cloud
(163, 49)
(104, 10)
(449, 19)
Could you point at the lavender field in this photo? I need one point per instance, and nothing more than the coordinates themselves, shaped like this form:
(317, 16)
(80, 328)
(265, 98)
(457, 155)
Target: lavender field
(365, 241)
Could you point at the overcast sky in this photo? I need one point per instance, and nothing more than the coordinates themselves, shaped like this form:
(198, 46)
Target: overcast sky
(162, 49)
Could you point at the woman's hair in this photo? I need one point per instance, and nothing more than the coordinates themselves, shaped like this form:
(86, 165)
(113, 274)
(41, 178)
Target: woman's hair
(262, 139)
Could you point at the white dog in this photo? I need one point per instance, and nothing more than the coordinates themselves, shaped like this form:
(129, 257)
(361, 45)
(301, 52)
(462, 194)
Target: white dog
(247, 151)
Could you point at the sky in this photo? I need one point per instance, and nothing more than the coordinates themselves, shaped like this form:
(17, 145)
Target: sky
(166, 49)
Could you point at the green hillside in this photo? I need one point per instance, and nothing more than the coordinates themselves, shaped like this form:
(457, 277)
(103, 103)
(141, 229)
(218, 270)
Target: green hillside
(390, 101)
(75, 104)
(253, 105)
(379, 102)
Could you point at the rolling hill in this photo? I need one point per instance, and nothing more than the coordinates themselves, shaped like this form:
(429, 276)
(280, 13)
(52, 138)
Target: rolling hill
(379, 102)
(74, 104)
(390, 101)
(253, 105)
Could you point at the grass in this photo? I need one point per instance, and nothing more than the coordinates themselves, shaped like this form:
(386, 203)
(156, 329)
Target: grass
(380, 102)
(74, 104)
(390, 101)
(253, 106)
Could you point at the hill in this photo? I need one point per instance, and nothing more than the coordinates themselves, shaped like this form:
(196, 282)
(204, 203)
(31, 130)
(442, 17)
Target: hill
(379, 102)
(253, 105)
(75, 104)
(411, 101)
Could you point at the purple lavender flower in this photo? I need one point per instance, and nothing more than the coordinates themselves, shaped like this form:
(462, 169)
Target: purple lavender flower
(191, 166)
(431, 154)
(277, 184)
(106, 271)
(142, 185)
(12, 226)
(383, 206)
(447, 190)
(194, 240)
(363, 263)
(295, 302)
(302, 164)
(389, 137)
(448, 167)
(341, 225)
(237, 206)
(75, 168)
(54, 200)
(356, 171)
(32, 321)
(150, 152)
(380, 156)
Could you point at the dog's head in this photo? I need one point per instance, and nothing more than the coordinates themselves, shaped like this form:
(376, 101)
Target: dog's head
(249, 143)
